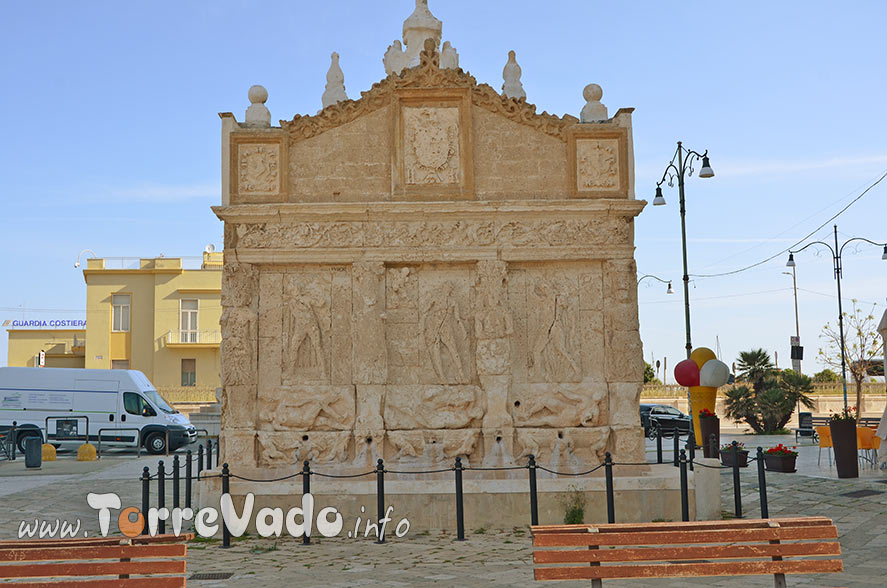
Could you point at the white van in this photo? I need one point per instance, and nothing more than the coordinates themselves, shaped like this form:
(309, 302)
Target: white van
(65, 406)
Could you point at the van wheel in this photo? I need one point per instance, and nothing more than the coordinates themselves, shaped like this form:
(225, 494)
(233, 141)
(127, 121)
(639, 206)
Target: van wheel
(155, 443)
(23, 437)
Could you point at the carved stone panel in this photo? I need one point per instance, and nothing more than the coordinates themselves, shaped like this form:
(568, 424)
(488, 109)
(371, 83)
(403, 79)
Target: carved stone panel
(560, 405)
(306, 326)
(553, 344)
(598, 161)
(432, 407)
(309, 408)
(258, 168)
(445, 326)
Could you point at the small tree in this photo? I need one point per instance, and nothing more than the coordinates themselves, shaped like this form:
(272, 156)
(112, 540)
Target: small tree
(769, 407)
(826, 376)
(650, 375)
(754, 366)
(862, 345)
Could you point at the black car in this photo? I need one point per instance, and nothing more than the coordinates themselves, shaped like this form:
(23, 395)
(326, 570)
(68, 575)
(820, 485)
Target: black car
(667, 417)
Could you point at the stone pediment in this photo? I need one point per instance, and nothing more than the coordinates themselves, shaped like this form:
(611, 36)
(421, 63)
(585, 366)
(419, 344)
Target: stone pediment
(428, 75)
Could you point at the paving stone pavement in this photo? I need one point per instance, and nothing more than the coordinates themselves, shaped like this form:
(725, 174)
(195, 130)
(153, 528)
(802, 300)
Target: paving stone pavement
(487, 558)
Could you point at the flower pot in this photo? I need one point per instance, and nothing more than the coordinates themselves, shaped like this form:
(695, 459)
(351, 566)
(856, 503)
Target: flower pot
(780, 463)
(844, 445)
(742, 458)
(707, 427)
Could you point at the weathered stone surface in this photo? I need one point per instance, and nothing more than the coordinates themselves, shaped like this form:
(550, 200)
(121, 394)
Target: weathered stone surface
(432, 407)
(624, 400)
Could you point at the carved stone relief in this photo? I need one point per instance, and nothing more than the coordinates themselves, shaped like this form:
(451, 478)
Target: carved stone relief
(369, 349)
(444, 330)
(553, 334)
(493, 325)
(597, 164)
(238, 347)
(431, 145)
(309, 408)
(560, 405)
(433, 446)
(293, 447)
(306, 328)
(563, 448)
(432, 407)
(258, 169)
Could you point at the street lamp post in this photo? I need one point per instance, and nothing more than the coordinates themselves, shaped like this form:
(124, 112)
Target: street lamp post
(836, 261)
(684, 158)
(796, 363)
(668, 290)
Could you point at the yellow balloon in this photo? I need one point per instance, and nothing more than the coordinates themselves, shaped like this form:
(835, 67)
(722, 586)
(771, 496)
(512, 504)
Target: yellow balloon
(702, 354)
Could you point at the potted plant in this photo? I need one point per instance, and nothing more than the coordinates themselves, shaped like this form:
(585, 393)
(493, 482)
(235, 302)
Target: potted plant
(726, 454)
(780, 459)
(709, 424)
(843, 428)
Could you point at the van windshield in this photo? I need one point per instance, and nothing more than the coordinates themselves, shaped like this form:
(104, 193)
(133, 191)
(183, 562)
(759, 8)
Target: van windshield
(158, 400)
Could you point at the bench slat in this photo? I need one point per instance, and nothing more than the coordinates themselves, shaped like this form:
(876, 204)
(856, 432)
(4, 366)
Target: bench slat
(60, 570)
(684, 537)
(682, 526)
(165, 582)
(626, 555)
(739, 568)
(93, 552)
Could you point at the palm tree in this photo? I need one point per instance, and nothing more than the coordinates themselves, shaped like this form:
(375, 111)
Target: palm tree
(754, 366)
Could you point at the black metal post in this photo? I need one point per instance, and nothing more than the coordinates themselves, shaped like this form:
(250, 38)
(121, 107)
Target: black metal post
(218, 451)
(199, 460)
(685, 496)
(380, 497)
(460, 513)
(188, 479)
(161, 495)
(677, 446)
(608, 475)
(762, 485)
(534, 499)
(713, 445)
(146, 500)
(226, 489)
(13, 434)
(691, 445)
(209, 454)
(658, 443)
(737, 493)
(175, 481)
(306, 489)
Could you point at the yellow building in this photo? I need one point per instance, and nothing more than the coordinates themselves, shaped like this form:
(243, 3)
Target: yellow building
(158, 318)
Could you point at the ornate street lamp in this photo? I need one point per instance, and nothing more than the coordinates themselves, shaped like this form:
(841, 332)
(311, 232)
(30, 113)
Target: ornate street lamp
(77, 263)
(836, 261)
(668, 290)
(681, 164)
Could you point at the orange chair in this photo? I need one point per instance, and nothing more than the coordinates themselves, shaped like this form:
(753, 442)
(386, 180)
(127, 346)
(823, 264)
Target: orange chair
(868, 444)
(825, 442)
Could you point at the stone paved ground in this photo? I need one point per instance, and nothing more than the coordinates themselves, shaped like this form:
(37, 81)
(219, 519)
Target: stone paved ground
(485, 559)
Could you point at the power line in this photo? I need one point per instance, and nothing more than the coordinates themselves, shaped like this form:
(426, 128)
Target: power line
(807, 236)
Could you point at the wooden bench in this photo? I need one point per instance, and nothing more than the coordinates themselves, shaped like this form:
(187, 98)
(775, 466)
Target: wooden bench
(158, 562)
(673, 550)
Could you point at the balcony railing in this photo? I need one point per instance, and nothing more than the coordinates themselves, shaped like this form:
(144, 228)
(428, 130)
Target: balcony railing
(193, 337)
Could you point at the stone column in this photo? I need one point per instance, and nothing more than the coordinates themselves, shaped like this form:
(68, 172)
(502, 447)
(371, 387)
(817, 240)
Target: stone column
(369, 355)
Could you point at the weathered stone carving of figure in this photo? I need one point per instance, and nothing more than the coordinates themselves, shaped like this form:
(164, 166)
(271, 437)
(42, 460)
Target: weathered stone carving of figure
(444, 329)
(305, 347)
(237, 346)
(551, 357)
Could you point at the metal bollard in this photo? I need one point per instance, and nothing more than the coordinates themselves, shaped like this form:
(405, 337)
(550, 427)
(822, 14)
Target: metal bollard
(685, 498)
(677, 446)
(713, 445)
(691, 446)
(608, 475)
(534, 499)
(13, 439)
(188, 479)
(199, 460)
(658, 443)
(737, 493)
(226, 489)
(209, 454)
(175, 482)
(460, 514)
(161, 495)
(762, 485)
(218, 451)
(380, 497)
(146, 500)
(306, 489)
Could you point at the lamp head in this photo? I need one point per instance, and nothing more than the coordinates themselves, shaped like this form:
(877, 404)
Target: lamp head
(670, 290)
(76, 264)
(791, 260)
(659, 200)
(706, 171)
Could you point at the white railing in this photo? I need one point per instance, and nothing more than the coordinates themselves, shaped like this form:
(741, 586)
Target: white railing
(193, 337)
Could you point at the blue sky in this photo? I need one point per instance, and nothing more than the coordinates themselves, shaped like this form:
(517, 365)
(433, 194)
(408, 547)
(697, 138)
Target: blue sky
(111, 137)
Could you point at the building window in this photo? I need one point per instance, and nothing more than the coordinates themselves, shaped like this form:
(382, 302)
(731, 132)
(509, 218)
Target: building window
(188, 322)
(119, 364)
(120, 312)
(189, 372)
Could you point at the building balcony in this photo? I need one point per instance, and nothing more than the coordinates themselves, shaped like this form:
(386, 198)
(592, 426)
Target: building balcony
(193, 339)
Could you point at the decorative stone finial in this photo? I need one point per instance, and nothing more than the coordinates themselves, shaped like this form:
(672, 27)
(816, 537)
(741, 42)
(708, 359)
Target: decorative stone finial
(420, 25)
(512, 88)
(593, 111)
(258, 115)
(335, 83)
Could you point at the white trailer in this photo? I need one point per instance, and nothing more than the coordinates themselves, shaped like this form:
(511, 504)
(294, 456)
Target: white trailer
(67, 406)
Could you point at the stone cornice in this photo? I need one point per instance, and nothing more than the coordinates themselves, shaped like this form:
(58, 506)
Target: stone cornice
(365, 211)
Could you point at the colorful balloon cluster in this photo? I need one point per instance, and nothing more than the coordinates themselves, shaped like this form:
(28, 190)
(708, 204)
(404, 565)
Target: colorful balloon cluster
(702, 369)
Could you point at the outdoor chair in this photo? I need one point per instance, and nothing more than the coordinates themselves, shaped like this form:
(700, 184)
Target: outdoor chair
(825, 442)
(868, 444)
(805, 427)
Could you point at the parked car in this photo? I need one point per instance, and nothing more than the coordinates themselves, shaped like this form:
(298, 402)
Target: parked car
(667, 417)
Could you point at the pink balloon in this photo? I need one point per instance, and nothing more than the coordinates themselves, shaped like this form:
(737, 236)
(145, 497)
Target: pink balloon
(687, 373)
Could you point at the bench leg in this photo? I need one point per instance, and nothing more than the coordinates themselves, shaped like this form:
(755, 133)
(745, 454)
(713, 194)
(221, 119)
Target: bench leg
(596, 583)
